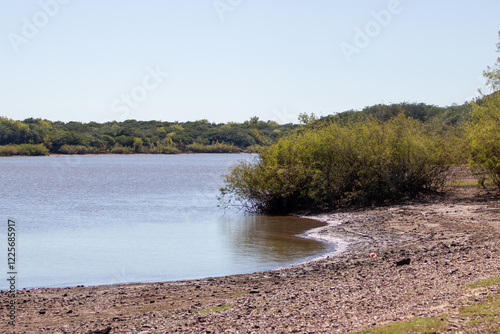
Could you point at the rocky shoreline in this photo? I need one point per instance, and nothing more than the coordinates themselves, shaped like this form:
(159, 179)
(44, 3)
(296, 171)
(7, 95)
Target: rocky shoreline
(428, 251)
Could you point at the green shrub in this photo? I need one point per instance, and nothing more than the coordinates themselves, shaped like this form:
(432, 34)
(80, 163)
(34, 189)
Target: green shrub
(118, 149)
(8, 150)
(23, 149)
(484, 137)
(254, 149)
(74, 149)
(360, 163)
(213, 148)
(164, 149)
(31, 149)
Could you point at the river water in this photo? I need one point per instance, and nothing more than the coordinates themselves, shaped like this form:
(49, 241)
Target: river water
(90, 220)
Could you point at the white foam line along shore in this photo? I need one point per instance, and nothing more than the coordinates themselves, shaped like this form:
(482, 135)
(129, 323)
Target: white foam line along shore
(323, 234)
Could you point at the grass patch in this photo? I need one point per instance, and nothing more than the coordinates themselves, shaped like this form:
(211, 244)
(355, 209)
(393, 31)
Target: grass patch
(484, 283)
(490, 307)
(217, 308)
(479, 317)
(479, 183)
(485, 316)
(416, 325)
(462, 183)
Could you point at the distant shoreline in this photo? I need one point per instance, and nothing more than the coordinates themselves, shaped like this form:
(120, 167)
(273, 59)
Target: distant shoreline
(122, 154)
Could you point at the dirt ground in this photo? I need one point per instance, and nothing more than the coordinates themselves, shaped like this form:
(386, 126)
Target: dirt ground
(427, 252)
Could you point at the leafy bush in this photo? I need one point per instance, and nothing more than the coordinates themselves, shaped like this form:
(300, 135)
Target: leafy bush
(213, 148)
(484, 136)
(492, 74)
(118, 149)
(31, 149)
(74, 149)
(360, 163)
(164, 149)
(23, 149)
(8, 150)
(254, 149)
(484, 130)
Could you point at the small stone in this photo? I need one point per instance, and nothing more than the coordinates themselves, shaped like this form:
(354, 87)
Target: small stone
(403, 262)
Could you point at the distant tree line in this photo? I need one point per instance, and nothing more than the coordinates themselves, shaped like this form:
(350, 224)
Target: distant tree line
(41, 137)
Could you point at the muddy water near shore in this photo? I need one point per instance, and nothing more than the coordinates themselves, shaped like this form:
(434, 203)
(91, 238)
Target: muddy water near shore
(281, 240)
(90, 220)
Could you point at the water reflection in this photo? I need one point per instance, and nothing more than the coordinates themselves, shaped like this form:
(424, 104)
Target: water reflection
(270, 239)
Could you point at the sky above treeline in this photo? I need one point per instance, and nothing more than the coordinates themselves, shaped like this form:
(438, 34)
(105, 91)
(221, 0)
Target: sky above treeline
(230, 60)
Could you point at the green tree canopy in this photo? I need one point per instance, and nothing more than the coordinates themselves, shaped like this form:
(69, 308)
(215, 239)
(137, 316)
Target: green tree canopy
(492, 74)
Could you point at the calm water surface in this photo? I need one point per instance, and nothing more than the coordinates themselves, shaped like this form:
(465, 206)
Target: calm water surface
(136, 218)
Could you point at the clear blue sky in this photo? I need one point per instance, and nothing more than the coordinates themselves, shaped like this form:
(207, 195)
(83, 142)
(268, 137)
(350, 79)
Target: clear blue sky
(229, 60)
